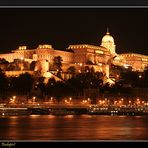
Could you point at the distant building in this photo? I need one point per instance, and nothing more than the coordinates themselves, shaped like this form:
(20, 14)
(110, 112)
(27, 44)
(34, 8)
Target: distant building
(98, 57)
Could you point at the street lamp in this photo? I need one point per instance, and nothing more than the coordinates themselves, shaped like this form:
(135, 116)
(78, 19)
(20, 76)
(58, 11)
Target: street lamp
(14, 97)
(34, 98)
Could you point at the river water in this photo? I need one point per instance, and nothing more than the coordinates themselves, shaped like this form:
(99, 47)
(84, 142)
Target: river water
(74, 127)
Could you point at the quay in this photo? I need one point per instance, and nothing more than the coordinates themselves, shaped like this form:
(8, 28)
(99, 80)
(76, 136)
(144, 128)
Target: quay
(13, 111)
(70, 110)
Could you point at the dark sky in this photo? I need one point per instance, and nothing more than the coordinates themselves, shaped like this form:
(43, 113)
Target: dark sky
(61, 27)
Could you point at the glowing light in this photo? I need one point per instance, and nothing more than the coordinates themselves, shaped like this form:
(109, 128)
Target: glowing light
(14, 97)
(144, 60)
(21, 58)
(126, 66)
(22, 47)
(84, 101)
(45, 46)
(99, 52)
(33, 99)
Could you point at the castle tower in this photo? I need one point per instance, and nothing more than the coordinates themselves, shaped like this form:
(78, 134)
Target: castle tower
(108, 42)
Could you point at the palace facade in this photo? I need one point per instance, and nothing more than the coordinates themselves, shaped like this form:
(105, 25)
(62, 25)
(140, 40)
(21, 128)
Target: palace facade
(98, 57)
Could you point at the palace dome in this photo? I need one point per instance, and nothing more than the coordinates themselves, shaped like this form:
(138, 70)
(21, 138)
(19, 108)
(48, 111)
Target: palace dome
(108, 38)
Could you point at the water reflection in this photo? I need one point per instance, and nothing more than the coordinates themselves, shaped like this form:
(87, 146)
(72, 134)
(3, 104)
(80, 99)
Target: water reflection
(69, 116)
(72, 127)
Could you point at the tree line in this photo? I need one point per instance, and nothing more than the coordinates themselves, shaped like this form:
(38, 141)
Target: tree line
(80, 84)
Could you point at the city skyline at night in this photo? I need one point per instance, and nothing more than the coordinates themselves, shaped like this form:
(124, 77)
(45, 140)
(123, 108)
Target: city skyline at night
(73, 74)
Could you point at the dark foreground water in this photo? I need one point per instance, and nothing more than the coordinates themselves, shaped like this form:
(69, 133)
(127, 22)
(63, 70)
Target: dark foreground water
(74, 127)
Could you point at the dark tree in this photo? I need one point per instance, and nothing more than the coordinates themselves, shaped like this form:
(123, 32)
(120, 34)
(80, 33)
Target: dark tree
(130, 77)
(3, 84)
(3, 61)
(57, 63)
(92, 70)
(58, 90)
(85, 81)
(71, 70)
(32, 65)
(3, 64)
(144, 78)
(86, 69)
(12, 67)
(22, 84)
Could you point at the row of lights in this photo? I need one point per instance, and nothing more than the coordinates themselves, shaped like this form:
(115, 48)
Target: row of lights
(79, 46)
(45, 46)
(83, 46)
(120, 102)
(88, 100)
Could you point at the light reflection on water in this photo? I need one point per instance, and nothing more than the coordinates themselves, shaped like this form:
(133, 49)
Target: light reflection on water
(74, 127)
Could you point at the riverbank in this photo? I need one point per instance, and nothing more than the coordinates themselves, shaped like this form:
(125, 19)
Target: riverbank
(71, 111)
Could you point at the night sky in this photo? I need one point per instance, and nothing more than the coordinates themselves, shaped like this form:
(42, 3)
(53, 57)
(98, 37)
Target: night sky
(62, 27)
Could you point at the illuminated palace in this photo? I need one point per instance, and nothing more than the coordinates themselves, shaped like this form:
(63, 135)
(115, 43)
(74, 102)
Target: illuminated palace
(98, 57)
